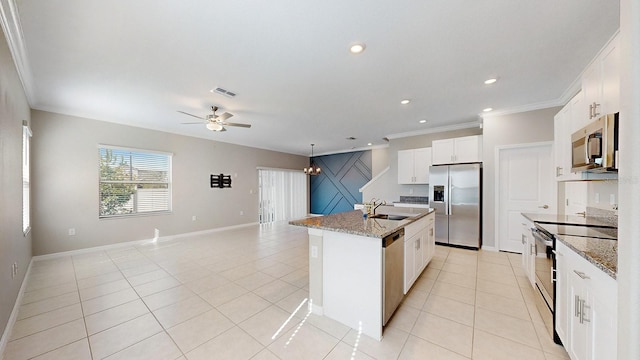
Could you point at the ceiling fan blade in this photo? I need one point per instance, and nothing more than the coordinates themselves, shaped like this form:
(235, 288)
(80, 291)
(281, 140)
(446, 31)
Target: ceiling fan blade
(195, 116)
(237, 124)
(194, 123)
(224, 116)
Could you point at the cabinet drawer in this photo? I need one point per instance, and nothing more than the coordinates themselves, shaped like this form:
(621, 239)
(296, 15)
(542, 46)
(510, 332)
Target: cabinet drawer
(414, 228)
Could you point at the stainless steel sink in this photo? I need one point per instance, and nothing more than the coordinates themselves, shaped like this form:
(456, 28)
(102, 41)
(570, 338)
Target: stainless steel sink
(388, 217)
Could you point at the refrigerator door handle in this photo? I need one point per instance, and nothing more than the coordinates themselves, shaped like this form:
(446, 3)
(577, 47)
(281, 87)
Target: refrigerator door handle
(449, 192)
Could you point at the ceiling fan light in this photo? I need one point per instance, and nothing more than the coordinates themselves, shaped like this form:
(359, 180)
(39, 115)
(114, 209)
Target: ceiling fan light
(214, 126)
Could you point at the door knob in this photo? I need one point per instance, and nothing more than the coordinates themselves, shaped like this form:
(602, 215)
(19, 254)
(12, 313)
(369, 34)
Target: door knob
(544, 206)
(582, 213)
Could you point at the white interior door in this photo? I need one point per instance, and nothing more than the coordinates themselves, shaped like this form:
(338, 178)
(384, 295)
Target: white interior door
(525, 185)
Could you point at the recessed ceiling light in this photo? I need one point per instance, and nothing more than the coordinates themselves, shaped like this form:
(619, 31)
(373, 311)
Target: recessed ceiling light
(405, 101)
(369, 144)
(357, 48)
(490, 81)
(422, 121)
(487, 109)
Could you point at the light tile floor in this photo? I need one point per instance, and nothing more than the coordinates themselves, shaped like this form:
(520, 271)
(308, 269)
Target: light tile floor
(231, 295)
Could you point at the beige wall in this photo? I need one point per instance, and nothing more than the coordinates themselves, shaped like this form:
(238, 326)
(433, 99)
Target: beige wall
(521, 128)
(65, 186)
(14, 246)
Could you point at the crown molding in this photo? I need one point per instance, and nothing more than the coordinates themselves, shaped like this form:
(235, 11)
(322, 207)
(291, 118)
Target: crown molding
(10, 21)
(438, 129)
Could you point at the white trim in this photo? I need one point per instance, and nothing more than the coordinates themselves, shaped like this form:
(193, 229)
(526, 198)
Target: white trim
(10, 22)
(496, 182)
(276, 169)
(116, 147)
(489, 248)
(439, 129)
(138, 242)
(364, 148)
(375, 178)
(14, 313)
(528, 107)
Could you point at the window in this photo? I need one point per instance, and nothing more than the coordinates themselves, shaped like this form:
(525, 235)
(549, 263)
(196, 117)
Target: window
(26, 182)
(283, 195)
(134, 182)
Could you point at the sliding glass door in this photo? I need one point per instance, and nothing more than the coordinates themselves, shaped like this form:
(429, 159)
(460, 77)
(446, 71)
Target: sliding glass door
(282, 195)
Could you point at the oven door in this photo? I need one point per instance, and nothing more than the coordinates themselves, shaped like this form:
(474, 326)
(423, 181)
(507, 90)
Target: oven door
(544, 267)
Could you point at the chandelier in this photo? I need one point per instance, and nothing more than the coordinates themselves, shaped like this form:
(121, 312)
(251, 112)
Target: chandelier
(313, 169)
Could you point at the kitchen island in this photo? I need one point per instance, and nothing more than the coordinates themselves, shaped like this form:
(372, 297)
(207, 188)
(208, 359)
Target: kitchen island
(347, 262)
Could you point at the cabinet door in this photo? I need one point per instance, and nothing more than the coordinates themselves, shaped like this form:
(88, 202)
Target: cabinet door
(405, 166)
(579, 114)
(419, 254)
(602, 315)
(442, 151)
(562, 142)
(578, 332)
(610, 64)
(592, 89)
(467, 149)
(409, 263)
(562, 296)
(422, 161)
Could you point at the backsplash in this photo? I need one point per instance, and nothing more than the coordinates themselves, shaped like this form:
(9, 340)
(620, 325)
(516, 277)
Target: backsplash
(414, 199)
(608, 216)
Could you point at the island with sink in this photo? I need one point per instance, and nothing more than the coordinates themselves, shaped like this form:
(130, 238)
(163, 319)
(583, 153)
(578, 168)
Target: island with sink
(361, 265)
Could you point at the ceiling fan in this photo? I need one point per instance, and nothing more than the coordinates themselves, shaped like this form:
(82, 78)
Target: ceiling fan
(215, 122)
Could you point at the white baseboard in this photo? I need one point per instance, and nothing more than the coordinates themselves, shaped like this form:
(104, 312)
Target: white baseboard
(14, 313)
(489, 248)
(137, 242)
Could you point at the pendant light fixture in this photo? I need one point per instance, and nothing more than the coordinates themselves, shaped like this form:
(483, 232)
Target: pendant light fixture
(313, 169)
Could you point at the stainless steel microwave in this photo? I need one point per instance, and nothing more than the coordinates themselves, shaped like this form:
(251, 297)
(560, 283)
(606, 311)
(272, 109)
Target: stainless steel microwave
(594, 148)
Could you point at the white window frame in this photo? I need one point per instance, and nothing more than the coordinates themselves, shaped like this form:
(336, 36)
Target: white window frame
(137, 213)
(26, 177)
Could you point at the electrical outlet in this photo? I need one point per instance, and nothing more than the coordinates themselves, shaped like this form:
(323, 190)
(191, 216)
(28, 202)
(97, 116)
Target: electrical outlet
(241, 212)
(612, 199)
(597, 198)
(194, 218)
(72, 231)
(411, 191)
(156, 233)
(314, 251)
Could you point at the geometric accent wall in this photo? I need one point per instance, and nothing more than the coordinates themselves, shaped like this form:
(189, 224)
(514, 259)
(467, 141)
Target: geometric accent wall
(336, 189)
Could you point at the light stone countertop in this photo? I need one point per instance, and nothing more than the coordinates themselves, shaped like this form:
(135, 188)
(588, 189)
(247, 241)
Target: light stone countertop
(602, 253)
(353, 222)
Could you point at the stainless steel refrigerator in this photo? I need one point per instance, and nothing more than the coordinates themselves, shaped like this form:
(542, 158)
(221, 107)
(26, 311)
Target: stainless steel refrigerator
(455, 192)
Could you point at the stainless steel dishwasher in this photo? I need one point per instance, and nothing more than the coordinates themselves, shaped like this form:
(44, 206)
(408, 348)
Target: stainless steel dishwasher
(393, 270)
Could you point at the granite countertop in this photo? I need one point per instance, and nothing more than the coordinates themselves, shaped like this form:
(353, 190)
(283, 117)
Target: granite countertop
(569, 219)
(352, 222)
(602, 253)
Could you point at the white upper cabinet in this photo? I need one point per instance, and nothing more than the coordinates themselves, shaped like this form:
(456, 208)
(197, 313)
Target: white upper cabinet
(457, 150)
(601, 84)
(413, 166)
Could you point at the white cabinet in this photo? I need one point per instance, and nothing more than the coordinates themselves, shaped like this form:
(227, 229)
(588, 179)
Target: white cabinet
(528, 251)
(419, 247)
(457, 150)
(413, 166)
(564, 124)
(586, 307)
(601, 83)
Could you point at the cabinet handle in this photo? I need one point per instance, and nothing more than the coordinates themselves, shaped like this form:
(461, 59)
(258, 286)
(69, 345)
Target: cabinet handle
(590, 111)
(582, 275)
(583, 318)
(545, 206)
(558, 171)
(595, 109)
(576, 306)
(524, 239)
(553, 275)
(533, 249)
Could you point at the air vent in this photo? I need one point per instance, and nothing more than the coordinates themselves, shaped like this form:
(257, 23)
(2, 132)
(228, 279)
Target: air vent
(224, 92)
(351, 138)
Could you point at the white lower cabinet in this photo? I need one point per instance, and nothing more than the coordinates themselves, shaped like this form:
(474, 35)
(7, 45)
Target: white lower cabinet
(419, 247)
(586, 307)
(528, 251)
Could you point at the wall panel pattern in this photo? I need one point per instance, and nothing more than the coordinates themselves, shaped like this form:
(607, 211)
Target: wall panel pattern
(336, 189)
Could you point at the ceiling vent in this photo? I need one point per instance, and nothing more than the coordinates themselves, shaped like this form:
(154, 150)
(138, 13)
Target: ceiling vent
(224, 92)
(351, 138)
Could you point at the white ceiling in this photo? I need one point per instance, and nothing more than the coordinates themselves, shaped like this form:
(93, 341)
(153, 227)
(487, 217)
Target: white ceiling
(139, 62)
